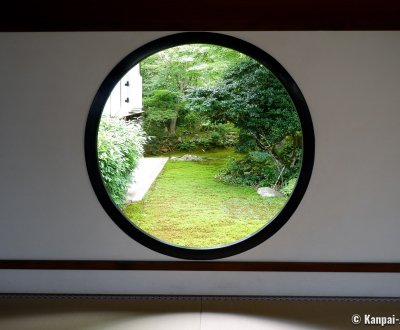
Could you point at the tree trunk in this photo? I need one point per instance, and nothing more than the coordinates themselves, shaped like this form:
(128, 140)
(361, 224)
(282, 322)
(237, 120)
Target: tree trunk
(172, 126)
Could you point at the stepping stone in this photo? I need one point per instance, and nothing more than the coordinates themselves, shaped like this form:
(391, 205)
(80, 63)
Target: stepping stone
(268, 192)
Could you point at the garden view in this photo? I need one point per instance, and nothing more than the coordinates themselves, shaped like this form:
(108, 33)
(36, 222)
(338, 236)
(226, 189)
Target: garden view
(233, 138)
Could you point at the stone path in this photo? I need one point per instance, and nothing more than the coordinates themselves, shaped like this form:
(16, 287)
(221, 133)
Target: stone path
(143, 177)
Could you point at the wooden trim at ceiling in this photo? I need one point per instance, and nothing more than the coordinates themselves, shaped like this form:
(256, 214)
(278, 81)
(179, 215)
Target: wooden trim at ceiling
(348, 267)
(205, 15)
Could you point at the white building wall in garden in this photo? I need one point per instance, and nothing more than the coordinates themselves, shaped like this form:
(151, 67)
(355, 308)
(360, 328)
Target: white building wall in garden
(126, 97)
(135, 92)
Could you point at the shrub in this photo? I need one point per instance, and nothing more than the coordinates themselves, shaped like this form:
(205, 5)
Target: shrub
(221, 135)
(119, 147)
(158, 145)
(207, 137)
(288, 188)
(186, 145)
(259, 169)
(256, 169)
(202, 142)
(191, 121)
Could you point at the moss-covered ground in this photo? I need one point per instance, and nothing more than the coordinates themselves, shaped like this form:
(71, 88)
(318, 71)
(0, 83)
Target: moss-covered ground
(187, 206)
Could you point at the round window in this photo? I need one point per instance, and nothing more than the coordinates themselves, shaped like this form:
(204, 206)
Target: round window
(199, 145)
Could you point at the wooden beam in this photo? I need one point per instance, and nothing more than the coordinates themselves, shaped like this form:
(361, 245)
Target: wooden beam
(205, 15)
(326, 267)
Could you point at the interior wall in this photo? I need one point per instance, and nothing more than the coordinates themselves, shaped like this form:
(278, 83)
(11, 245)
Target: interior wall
(349, 213)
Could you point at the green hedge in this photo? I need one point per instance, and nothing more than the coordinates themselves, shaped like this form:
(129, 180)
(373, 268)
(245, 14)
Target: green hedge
(119, 147)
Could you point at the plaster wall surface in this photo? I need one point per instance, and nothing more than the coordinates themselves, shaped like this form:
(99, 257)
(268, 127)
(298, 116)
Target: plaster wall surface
(350, 211)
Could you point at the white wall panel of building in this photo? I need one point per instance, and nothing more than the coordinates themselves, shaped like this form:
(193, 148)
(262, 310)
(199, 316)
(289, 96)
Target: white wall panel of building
(126, 97)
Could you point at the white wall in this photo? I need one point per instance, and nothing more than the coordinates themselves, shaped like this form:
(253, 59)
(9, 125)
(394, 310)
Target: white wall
(349, 213)
(126, 99)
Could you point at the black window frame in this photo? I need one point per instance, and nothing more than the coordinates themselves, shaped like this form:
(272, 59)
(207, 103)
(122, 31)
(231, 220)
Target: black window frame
(92, 126)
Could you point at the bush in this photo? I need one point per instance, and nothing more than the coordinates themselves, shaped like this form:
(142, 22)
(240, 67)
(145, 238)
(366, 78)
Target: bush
(208, 137)
(288, 188)
(186, 145)
(203, 143)
(158, 145)
(221, 135)
(191, 120)
(212, 136)
(119, 147)
(256, 169)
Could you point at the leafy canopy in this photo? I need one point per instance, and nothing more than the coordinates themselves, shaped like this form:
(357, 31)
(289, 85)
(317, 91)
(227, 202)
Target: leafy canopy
(179, 68)
(253, 99)
(168, 76)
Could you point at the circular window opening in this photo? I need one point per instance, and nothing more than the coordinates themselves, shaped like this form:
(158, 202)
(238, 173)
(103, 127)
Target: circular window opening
(199, 145)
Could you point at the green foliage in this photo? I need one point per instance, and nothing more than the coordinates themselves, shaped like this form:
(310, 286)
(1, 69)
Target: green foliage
(167, 77)
(212, 136)
(190, 121)
(288, 188)
(255, 169)
(179, 68)
(289, 152)
(196, 143)
(201, 97)
(186, 145)
(161, 109)
(254, 100)
(160, 144)
(119, 146)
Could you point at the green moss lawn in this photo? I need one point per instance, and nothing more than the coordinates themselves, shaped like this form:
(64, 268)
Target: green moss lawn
(186, 206)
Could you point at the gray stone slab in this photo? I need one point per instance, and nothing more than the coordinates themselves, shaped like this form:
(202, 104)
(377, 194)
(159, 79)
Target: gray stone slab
(143, 177)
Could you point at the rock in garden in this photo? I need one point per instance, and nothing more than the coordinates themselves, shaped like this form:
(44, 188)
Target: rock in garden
(187, 158)
(268, 192)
